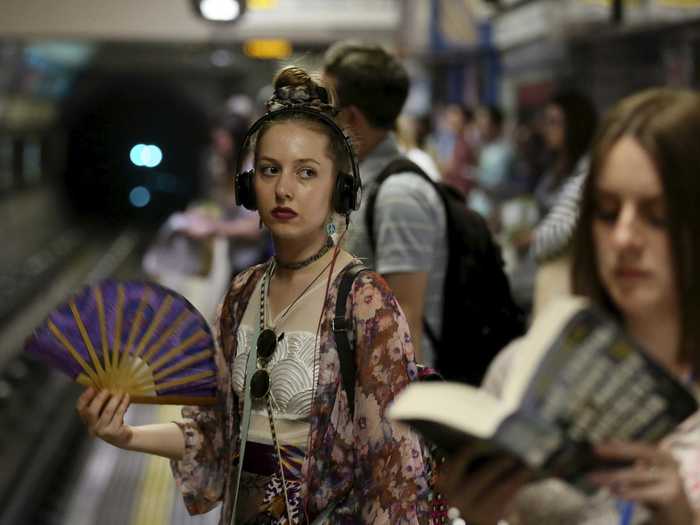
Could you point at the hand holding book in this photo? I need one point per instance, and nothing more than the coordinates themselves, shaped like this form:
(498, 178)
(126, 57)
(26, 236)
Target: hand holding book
(578, 380)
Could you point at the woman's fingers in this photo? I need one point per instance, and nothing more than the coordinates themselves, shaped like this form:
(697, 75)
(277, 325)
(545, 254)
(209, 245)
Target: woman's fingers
(631, 452)
(652, 477)
(83, 402)
(108, 410)
(117, 419)
(85, 398)
(90, 413)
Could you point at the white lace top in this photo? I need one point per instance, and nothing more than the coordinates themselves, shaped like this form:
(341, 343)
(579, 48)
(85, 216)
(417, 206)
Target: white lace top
(293, 368)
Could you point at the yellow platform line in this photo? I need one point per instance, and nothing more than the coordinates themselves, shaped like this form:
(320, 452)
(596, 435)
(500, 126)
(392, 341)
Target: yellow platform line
(155, 494)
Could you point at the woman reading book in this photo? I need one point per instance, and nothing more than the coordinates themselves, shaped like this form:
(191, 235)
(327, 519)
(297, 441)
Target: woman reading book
(300, 454)
(636, 254)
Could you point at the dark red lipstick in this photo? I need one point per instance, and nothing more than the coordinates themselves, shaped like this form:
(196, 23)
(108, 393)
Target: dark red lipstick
(627, 272)
(283, 214)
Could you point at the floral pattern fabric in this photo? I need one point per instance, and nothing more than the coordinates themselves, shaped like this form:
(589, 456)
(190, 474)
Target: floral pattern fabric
(371, 469)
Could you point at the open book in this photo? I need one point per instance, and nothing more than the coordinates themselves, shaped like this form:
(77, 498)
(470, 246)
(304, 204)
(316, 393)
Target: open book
(575, 380)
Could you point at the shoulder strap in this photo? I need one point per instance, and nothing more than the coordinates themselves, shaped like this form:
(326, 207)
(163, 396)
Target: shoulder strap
(340, 326)
(398, 165)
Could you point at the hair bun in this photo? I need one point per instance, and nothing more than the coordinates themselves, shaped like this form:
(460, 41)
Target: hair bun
(295, 87)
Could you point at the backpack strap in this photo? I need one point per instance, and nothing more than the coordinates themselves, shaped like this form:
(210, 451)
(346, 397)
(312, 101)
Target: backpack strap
(398, 165)
(340, 326)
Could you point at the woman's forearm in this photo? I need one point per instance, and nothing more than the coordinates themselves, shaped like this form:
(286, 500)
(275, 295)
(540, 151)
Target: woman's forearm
(162, 439)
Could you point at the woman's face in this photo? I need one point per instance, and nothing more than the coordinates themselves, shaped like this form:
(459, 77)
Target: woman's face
(554, 127)
(294, 181)
(630, 234)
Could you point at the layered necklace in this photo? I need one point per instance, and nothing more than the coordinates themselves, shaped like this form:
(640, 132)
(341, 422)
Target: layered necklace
(262, 321)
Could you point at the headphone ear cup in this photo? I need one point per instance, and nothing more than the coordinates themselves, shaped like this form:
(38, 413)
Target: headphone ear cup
(343, 196)
(245, 192)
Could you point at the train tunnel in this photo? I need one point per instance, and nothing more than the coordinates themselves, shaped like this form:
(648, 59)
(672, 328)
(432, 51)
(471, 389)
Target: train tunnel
(135, 148)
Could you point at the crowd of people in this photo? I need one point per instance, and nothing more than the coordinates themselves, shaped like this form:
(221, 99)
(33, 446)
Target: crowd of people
(290, 441)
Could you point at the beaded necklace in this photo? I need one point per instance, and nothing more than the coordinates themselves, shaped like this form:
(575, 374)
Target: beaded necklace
(264, 286)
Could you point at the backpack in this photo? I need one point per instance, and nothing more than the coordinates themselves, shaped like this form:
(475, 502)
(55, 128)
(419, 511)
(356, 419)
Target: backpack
(479, 314)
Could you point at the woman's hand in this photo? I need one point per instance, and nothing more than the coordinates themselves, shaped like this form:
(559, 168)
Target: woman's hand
(653, 479)
(103, 415)
(481, 493)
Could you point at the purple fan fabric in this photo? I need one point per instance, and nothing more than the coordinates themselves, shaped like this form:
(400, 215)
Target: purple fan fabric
(133, 336)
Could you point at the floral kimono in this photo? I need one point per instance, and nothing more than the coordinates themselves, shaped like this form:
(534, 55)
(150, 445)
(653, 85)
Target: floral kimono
(368, 468)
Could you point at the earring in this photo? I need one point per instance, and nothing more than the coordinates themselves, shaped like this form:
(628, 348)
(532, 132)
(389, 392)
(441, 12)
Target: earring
(330, 228)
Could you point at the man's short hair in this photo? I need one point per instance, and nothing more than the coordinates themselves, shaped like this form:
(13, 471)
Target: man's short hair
(370, 78)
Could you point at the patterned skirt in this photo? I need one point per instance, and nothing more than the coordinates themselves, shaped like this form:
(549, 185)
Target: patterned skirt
(262, 498)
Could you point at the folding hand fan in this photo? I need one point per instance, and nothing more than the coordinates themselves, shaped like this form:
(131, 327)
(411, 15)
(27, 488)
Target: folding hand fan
(134, 337)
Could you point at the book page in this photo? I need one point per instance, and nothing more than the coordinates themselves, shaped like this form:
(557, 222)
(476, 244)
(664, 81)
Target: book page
(464, 408)
(537, 343)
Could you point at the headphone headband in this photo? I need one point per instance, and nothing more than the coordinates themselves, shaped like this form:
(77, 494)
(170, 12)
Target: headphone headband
(349, 184)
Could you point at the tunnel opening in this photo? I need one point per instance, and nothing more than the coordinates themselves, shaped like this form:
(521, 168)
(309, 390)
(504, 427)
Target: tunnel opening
(134, 149)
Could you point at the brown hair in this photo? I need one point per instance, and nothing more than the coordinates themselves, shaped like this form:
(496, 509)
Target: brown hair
(666, 124)
(368, 77)
(295, 86)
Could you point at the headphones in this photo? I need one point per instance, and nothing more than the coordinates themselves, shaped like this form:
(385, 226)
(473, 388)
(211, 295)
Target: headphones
(347, 193)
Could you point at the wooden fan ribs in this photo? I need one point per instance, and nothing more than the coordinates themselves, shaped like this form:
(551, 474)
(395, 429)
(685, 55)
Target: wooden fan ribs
(88, 343)
(144, 373)
(141, 368)
(103, 331)
(73, 352)
(135, 367)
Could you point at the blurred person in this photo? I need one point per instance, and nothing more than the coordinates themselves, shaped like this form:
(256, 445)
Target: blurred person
(411, 249)
(197, 250)
(248, 244)
(307, 460)
(496, 175)
(412, 143)
(458, 169)
(635, 255)
(570, 121)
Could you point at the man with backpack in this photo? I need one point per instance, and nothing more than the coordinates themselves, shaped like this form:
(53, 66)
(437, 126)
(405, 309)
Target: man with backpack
(409, 248)
(436, 255)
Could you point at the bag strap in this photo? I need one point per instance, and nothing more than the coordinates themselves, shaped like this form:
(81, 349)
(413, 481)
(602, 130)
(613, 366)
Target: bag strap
(340, 326)
(245, 419)
(399, 165)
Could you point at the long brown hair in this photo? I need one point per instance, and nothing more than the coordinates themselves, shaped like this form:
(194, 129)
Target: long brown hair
(666, 124)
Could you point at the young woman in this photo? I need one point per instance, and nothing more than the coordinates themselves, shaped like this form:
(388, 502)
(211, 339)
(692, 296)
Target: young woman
(307, 455)
(570, 121)
(636, 253)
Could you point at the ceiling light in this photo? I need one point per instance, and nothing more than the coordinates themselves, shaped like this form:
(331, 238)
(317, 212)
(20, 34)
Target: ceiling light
(220, 10)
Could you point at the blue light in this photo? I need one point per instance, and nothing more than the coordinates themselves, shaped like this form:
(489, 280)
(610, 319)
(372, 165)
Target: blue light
(153, 156)
(139, 197)
(135, 154)
(148, 156)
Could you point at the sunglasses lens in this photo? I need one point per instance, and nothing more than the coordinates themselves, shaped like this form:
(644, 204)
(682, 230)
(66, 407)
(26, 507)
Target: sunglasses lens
(260, 384)
(267, 342)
